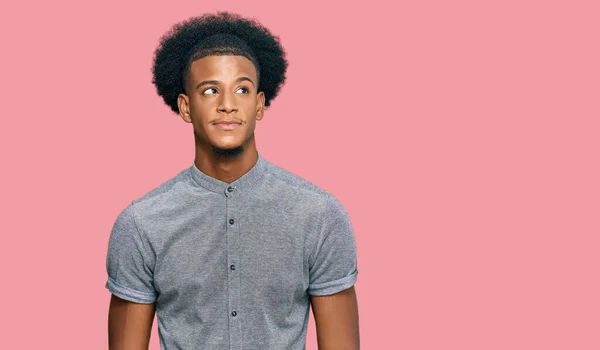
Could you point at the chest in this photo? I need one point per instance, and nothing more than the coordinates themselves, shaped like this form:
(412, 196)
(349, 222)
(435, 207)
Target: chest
(257, 253)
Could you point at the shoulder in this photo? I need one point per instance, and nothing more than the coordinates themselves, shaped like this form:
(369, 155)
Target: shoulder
(302, 191)
(168, 196)
(163, 199)
(164, 189)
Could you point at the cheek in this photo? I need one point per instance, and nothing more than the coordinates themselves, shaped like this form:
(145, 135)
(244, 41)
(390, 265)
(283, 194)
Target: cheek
(250, 107)
(201, 110)
(199, 104)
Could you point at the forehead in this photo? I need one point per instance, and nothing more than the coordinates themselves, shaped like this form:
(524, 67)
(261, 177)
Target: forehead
(222, 68)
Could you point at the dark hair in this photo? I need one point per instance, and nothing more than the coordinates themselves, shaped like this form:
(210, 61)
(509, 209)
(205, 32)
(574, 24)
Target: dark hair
(223, 33)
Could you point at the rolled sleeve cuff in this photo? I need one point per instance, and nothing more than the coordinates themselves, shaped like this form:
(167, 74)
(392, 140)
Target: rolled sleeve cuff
(333, 287)
(129, 294)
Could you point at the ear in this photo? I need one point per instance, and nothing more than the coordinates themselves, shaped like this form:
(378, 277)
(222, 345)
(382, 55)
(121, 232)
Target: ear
(260, 105)
(183, 102)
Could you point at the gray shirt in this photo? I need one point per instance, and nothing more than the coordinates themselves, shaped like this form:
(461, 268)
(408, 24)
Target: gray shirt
(232, 266)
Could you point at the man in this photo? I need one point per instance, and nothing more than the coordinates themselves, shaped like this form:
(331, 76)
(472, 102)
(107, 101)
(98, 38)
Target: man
(231, 252)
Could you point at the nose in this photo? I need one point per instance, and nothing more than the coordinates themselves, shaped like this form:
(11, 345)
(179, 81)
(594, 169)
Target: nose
(227, 103)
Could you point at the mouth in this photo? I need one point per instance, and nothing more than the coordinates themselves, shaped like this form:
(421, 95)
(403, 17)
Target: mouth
(227, 125)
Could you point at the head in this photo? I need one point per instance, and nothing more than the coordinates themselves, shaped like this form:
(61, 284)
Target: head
(219, 73)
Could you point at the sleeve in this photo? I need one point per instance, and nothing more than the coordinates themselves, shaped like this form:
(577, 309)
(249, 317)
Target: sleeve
(332, 262)
(129, 262)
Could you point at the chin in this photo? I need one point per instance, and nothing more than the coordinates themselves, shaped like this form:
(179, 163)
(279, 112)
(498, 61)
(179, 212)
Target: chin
(227, 146)
(228, 150)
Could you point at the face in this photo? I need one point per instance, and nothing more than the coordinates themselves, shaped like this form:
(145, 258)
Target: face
(222, 102)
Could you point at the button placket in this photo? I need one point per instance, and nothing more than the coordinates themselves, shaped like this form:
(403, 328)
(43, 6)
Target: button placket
(233, 259)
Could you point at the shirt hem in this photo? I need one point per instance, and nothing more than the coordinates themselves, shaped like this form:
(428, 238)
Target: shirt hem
(128, 293)
(333, 287)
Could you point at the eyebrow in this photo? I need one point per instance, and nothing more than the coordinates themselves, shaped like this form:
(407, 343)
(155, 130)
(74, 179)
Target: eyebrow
(216, 82)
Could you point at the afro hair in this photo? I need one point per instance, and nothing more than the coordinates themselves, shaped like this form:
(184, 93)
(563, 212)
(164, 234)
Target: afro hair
(223, 33)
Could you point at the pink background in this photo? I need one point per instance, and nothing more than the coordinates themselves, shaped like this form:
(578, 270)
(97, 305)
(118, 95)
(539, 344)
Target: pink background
(462, 137)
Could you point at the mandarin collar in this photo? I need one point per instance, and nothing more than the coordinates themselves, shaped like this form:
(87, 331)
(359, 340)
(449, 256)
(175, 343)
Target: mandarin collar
(241, 184)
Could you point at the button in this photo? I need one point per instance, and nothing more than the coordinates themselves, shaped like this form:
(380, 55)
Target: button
(231, 221)
(232, 267)
(229, 189)
(233, 313)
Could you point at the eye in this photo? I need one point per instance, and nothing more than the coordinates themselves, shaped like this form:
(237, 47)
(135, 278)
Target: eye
(243, 90)
(210, 91)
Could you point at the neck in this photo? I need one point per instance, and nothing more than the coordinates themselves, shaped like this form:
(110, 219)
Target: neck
(226, 168)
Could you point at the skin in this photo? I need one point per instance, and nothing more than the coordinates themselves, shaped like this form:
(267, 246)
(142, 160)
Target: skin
(129, 324)
(336, 320)
(225, 88)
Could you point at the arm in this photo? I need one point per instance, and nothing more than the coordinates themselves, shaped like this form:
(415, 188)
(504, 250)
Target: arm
(336, 319)
(129, 324)
(130, 265)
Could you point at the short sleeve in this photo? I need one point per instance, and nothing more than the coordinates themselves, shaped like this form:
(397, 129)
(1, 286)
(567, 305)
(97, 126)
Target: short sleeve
(332, 262)
(129, 262)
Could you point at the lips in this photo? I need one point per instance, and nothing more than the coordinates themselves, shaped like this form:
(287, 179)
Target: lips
(227, 125)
